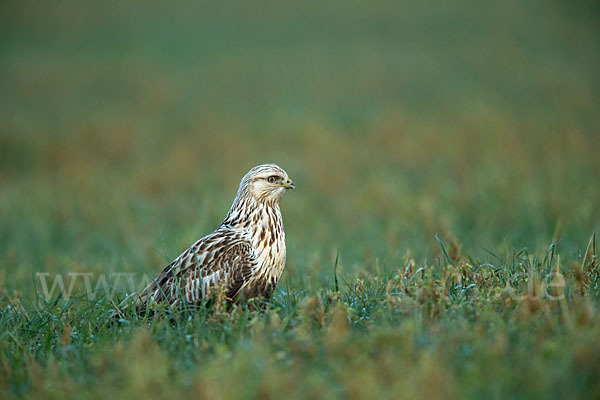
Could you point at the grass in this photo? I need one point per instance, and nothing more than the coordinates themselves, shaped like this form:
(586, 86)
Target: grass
(440, 242)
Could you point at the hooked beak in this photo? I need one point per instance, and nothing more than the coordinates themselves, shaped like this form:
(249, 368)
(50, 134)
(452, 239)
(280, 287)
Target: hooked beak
(289, 184)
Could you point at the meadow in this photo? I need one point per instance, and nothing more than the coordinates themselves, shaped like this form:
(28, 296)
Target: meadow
(441, 242)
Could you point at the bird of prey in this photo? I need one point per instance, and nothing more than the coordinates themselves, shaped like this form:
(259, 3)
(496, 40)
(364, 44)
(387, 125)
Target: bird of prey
(244, 257)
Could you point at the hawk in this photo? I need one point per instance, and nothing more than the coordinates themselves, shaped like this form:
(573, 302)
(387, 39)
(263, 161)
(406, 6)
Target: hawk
(244, 256)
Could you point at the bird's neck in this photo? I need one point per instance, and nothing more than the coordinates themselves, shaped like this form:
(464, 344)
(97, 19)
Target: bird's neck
(254, 216)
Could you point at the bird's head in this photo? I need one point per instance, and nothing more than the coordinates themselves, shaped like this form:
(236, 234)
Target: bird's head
(266, 183)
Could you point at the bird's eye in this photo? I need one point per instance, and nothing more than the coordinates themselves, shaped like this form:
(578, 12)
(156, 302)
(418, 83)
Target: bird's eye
(272, 179)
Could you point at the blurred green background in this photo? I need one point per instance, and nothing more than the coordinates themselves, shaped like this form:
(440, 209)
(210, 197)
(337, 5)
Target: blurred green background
(125, 128)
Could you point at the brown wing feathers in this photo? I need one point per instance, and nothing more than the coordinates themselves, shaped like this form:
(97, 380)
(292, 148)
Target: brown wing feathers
(210, 262)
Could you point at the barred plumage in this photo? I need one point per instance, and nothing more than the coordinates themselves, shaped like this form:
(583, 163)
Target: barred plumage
(244, 256)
